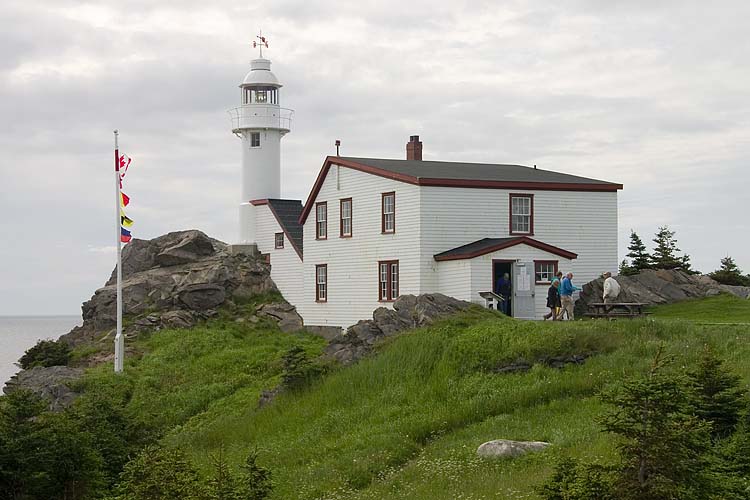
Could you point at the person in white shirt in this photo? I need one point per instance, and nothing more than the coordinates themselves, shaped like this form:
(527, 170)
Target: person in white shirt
(611, 289)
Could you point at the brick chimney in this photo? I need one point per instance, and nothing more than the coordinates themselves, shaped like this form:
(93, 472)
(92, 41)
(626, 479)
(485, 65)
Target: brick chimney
(414, 148)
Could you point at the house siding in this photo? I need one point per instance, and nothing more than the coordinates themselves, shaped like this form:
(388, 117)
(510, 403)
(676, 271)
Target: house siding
(353, 261)
(581, 222)
(286, 266)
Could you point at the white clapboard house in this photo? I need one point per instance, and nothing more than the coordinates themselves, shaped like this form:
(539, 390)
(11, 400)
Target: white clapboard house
(373, 229)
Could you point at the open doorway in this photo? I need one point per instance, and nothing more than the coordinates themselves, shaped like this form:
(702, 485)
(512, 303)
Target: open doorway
(501, 286)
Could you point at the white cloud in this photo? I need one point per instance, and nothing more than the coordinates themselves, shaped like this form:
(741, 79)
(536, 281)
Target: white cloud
(653, 95)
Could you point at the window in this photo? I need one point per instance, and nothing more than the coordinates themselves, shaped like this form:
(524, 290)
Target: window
(346, 217)
(254, 139)
(545, 270)
(388, 280)
(279, 240)
(321, 283)
(261, 96)
(321, 221)
(521, 214)
(388, 223)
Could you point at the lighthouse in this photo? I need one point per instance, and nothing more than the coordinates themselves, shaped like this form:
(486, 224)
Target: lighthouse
(260, 122)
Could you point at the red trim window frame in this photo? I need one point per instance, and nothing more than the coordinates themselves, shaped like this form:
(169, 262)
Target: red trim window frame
(388, 280)
(537, 264)
(321, 283)
(278, 240)
(321, 223)
(342, 219)
(530, 197)
(383, 214)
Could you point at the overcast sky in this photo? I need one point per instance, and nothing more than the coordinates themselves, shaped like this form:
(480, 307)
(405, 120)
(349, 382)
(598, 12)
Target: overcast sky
(652, 94)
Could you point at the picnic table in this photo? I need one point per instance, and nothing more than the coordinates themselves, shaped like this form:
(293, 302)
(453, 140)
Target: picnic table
(617, 310)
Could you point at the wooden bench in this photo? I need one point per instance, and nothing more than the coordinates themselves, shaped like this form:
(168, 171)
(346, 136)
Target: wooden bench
(614, 310)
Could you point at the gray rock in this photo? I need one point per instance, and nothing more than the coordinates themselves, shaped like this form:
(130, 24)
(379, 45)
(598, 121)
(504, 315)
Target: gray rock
(202, 296)
(191, 247)
(408, 311)
(177, 319)
(206, 278)
(657, 287)
(51, 383)
(284, 313)
(502, 448)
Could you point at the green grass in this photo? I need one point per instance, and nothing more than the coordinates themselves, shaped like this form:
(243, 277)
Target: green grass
(406, 422)
(724, 308)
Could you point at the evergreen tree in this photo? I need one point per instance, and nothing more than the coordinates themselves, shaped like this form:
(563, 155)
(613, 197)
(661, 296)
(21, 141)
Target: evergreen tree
(665, 252)
(729, 273)
(222, 485)
(718, 397)
(626, 269)
(663, 448)
(158, 473)
(640, 258)
(255, 480)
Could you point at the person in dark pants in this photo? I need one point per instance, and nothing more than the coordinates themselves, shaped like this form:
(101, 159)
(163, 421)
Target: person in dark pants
(503, 288)
(553, 300)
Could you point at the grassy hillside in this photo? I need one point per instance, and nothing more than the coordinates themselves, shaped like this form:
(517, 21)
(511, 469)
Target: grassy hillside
(406, 423)
(723, 308)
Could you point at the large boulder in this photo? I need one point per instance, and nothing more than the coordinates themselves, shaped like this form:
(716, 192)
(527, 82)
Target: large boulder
(284, 313)
(51, 383)
(181, 271)
(505, 448)
(409, 311)
(657, 287)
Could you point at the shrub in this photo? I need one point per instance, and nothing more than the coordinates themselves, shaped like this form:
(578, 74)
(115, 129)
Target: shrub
(45, 353)
(255, 481)
(159, 473)
(299, 370)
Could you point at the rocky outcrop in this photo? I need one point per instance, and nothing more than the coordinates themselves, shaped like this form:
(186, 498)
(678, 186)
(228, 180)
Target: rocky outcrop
(51, 383)
(172, 281)
(504, 448)
(408, 311)
(658, 287)
(284, 313)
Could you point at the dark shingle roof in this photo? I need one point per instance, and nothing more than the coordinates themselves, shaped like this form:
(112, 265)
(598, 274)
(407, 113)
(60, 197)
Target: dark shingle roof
(421, 169)
(487, 245)
(287, 212)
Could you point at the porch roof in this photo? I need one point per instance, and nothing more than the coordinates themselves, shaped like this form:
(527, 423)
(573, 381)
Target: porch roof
(488, 245)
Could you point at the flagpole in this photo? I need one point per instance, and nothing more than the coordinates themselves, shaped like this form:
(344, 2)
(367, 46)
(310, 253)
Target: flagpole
(119, 339)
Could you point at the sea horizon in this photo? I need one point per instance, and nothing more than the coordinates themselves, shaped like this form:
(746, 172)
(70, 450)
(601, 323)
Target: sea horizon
(18, 333)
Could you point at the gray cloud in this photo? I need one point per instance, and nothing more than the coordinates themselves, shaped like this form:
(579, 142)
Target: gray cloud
(653, 95)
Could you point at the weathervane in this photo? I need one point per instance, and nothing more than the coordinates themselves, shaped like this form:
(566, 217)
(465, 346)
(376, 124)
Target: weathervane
(262, 43)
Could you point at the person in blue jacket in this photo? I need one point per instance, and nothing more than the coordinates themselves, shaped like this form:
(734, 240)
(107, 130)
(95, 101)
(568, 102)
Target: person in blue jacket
(503, 288)
(566, 296)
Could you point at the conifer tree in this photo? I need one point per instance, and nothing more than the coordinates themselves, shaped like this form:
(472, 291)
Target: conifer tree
(640, 258)
(719, 399)
(626, 269)
(663, 448)
(729, 273)
(665, 252)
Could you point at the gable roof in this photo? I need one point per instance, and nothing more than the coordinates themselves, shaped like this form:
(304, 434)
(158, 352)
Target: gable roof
(287, 213)
(489, 245)
(460, 174)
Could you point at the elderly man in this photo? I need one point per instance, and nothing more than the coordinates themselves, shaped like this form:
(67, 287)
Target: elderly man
(566, 296)
(611, 289)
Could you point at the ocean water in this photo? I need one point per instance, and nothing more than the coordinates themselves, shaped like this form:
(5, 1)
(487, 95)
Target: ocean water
(18, 333)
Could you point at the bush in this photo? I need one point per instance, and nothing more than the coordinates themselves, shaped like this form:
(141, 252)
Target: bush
(159, 473)
(299, 370)
(45, 353)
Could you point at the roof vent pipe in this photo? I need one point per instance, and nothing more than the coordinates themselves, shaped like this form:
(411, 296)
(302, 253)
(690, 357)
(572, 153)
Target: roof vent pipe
(414, 148)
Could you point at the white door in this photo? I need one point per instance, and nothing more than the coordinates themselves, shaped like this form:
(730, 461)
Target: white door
(524, 302)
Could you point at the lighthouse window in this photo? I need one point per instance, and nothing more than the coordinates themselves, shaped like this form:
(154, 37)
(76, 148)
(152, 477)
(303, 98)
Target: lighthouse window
(261, 96)
(254, 139)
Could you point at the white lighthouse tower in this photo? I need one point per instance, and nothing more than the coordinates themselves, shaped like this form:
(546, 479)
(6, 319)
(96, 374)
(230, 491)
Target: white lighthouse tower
(261, 123)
